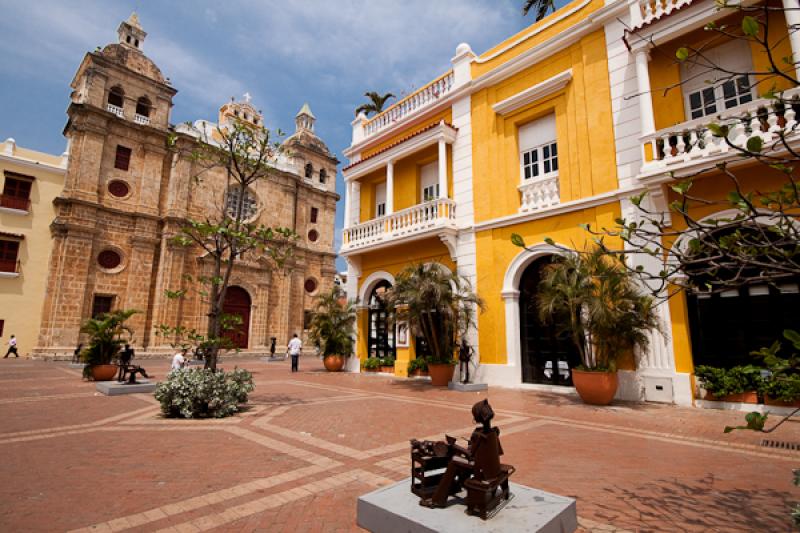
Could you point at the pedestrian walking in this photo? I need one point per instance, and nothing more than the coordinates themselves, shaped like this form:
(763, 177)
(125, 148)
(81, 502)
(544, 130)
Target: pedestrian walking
(294, 347)
(12, 347)
(179, 359)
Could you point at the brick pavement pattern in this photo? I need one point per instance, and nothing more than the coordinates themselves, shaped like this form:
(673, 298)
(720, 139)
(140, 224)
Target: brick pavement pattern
(308, 444)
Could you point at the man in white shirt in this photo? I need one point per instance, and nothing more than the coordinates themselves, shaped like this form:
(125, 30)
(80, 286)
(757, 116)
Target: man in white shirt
(12, 347)
(294, 347)
(178, 360)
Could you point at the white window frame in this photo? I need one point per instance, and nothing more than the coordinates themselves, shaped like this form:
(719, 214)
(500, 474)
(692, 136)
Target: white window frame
(380, 200)
(734, 56)
(429, 182)
(536, 139)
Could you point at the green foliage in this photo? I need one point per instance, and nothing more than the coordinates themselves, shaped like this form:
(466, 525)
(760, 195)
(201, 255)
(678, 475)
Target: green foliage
(201, 393)
(593, 298)
(438, 304)
(541, 7)
(331, 328)
(371, 363)
(682, 54)
(418, 363)
(726, 381)
(783, 383)
(386, 361)
(375, 104)
(107, 335)
(750, 26)
(755, 422)
(517, 240)
(755, 144)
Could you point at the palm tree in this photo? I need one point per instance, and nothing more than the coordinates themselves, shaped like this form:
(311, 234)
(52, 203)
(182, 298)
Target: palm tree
(438, 304)
(332, 323)
(541, 7)
(375, 104)
(107, 334)
(593, 297)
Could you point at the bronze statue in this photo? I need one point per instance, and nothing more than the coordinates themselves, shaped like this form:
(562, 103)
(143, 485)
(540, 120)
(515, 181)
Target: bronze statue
(476, 468)
(465, 353)
(128, 369)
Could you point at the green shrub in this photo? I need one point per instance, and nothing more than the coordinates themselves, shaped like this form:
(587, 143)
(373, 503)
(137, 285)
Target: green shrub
(784, 388)
(201, 393)
(418, 364)
(387, 361)
(783, 382)
(372, 363)
(736, 380)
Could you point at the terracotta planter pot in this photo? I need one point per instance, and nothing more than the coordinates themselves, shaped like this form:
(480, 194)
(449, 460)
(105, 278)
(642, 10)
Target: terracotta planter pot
(387, 369)
(745, 397)
(104, 372)
(333, 363)
(778, 403)
(440, 374)
(370, 369)
(595, 388)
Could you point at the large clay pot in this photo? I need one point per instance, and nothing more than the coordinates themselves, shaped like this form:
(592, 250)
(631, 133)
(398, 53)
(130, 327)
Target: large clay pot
(772, 401)
(744, 397)
(333, 363)
(440, 374)
(387, 369)
(104, 372)
(595, 388)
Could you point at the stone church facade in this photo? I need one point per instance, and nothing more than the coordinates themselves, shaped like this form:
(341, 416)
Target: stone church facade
(126, 195)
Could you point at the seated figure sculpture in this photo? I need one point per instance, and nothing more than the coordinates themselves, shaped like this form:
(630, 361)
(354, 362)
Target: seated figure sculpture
(128, 369)
(476, 468)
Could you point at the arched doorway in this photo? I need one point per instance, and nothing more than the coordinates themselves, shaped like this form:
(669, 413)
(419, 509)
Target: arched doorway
(237, 302)
(546, 357)
(380, 341)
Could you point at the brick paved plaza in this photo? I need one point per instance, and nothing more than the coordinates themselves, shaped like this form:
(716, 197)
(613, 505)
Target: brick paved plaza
(311, 442)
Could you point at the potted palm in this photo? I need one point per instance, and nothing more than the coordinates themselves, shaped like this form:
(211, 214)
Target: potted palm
(331, 328)
(593, 298)
(107, 335)
(439, 306)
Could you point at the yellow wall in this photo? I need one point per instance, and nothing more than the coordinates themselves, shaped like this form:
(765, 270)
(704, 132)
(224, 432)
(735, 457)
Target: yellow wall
(479, 69)
(407, 189)
(495, 253)
(665, 71)
(21, 297)
(587, 159)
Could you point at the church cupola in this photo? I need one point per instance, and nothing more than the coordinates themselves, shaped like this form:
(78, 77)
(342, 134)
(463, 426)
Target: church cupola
(243, 111)
(304, 120)
(131, 33)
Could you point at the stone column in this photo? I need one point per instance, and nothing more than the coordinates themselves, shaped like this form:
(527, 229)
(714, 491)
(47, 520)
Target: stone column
(792, 13)
(390, 188)
(646, 118)
(168, 277)
(442, 169)
(511, 304)
(137, 292)
(348, 193)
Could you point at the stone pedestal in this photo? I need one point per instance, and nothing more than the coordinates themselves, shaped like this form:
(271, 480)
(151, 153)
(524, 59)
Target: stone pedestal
(114, 388)
(394, 509)
(467, 387)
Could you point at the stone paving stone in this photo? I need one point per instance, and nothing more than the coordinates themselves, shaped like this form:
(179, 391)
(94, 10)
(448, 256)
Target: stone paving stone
(312, 442)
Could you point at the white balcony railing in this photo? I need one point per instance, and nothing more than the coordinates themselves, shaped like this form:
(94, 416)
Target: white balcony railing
(141, 119)
(419, 99)
(691, 142)
(646, 11)
(538, 194)
(416, 220)
(111, 108)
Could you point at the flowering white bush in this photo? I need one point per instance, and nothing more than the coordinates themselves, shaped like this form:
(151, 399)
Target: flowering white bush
(200, 393)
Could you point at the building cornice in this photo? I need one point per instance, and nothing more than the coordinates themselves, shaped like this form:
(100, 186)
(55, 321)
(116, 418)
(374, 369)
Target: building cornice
(28, 163)
(530, 95)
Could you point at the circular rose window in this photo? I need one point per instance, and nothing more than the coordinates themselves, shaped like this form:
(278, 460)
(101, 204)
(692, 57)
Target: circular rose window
(313, 235)
(311, 285)
(119, 189)
(109, 259)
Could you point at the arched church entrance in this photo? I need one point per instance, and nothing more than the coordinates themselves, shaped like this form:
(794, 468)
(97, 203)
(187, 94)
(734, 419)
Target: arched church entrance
(547, 357)
(380, 342)
(237, 302)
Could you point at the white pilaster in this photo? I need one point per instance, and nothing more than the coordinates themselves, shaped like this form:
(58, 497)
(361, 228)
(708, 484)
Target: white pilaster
(355, 202)
(792, 12)
(390, 188)
(511, 304)
(442, 168)
(347, 199)
(646, 117)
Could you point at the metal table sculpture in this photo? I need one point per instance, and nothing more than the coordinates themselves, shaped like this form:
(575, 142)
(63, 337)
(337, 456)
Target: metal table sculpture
(128, 369)
(476, 468)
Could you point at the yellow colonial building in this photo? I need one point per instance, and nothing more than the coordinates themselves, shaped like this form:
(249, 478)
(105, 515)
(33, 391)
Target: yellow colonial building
(30, 182)
(555, 127)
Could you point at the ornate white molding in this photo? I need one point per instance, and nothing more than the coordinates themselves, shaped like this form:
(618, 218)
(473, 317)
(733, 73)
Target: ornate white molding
(532, 94)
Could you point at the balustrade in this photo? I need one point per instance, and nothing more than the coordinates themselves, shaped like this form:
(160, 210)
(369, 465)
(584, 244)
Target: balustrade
(411, 103)
(413, 220)
(538, 194)
(646, 11)
(111, 108)
(141, 119)
(764, 118)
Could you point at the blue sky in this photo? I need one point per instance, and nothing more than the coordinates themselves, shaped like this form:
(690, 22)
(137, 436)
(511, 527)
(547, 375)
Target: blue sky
(327, 53)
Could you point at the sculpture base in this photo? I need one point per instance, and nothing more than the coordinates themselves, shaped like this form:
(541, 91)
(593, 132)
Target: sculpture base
(467, 387)
(395, 509)
(112, 388)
